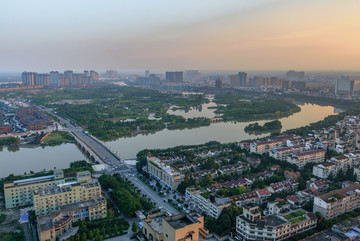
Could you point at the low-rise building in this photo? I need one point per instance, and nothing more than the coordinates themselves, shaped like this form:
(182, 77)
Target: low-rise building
(211, 205)
(323, 170)
(164, 173)
(300, 159)
(20, 193)
(57, 223)
(335, 164)
(337, 202)
(252, 226)
(51, 199)
(283, 152)
(175, 228)
(261, 147)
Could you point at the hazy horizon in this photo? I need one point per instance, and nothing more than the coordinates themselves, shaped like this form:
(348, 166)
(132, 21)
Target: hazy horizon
(256, 35)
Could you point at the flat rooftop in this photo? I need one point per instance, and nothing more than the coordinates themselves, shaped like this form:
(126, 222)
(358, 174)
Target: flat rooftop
(344, 192)
(267, 221)
(45, 222)
(181, 221)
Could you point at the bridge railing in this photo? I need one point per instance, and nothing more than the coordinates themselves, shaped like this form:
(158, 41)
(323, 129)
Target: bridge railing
(107, 147)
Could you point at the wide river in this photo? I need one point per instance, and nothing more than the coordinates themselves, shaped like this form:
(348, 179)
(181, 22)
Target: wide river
(37, 159)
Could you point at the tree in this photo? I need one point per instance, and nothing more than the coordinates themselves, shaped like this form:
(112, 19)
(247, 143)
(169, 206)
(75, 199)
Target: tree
(134, 227)
(115, 229)
(111, 213)
(77, 237)
(84, 237)
(91, 235)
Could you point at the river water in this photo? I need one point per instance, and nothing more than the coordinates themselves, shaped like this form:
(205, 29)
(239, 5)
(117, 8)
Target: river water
(223, 132)
(37, 159)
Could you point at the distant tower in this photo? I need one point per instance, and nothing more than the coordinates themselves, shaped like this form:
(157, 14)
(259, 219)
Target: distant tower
(218, 83)
(147, 73)
(242, 76)
(69, 75)
(28, 78)
(54, 79)
(176, 77)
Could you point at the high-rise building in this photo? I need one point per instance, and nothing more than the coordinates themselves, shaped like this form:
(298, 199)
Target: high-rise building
(86, 73)
(69, 76)
(78, 79)
(28, 78)
(242, 77)
(42, 79)
(54, 79)
(147, 73)
(174, 76)
(111, 74)
(233, 79)
(218, 83)
(295, 75)
(344, 86)
(94, 76)
(192, 75)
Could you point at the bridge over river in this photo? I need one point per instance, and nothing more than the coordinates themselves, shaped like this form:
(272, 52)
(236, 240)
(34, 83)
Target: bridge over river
(97, 149)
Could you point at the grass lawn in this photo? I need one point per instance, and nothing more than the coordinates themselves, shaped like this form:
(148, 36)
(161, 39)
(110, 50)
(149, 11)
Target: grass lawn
(2, 217)
(58, 137)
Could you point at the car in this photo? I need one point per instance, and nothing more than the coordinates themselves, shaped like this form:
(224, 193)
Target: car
(164, 201)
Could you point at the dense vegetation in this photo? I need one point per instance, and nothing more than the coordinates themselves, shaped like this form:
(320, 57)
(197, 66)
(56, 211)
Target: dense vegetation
(112, 112)
(125, 195)
(98, 230)
(234, 107)
(13, 236)
(272, 126)
(9, 141)
(227, 220)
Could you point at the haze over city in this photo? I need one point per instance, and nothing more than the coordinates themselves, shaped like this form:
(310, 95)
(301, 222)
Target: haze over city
(251, 35)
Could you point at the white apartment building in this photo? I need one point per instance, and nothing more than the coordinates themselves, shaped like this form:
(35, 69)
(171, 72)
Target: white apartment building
(164, 173)
(252, 226)
(212, 206)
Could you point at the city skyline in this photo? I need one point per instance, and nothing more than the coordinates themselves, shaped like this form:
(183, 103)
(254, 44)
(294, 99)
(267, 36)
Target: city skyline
(247, 35)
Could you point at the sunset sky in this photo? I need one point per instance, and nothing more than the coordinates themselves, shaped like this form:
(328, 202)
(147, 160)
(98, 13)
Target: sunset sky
(43, 35)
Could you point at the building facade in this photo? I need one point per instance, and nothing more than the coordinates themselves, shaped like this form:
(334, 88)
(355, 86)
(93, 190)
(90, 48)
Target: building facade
(337, 202)
(57, 223)
(211, 206)
(252, 226)
(50, 199)
(184, 227)
(164, 173)
(300, 159)
(20, 193)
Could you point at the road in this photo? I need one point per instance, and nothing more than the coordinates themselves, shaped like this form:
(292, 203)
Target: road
(114, 163)
(100, 150)
(103, 153)
(165, 206)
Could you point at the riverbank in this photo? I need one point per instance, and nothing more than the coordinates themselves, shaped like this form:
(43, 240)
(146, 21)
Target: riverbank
(57, 138)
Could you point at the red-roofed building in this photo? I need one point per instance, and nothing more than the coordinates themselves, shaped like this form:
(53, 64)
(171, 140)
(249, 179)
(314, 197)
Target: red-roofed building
(291, 175)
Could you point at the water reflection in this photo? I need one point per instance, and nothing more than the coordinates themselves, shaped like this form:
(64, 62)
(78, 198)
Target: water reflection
(222, 132)
(36, 159)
